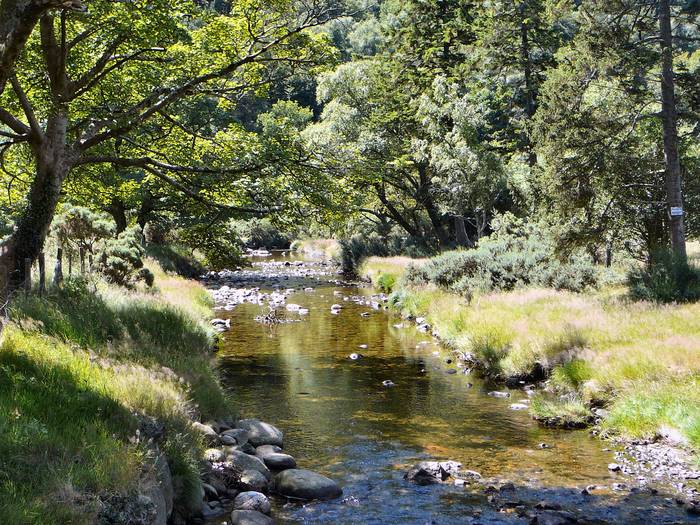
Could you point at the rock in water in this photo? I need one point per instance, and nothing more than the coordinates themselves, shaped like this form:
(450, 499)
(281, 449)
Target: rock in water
(242, 461)
(266, 450)
(260, 433)
(250, 517)
(253, 480)
(431, 472)
(306, 485)
(278, 461)
(252, 501)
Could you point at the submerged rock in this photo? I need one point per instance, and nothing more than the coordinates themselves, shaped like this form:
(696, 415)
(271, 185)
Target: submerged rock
(306, 485)
(250, 517)
(260, 433)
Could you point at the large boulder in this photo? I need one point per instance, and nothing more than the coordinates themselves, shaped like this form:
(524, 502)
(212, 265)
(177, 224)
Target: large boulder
(279, 461)
(242, 461)
(305, 485)
(250, 517)
(430, 472)
(251, 500)
(260, 433)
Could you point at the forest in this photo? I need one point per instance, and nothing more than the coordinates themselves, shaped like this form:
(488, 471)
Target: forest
(522, 176)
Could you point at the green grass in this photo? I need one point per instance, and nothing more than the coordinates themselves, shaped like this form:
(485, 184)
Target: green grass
(558, 412)
(80, 370)
(640, 360)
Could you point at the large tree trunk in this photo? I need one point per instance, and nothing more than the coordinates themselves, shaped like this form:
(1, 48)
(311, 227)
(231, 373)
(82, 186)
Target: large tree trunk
(27, 241)
(670, 125)
(530, 106)
(426, 199)
(461, 232)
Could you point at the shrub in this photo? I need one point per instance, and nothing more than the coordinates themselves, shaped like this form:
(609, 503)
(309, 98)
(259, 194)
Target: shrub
(517, 254)
(122, 258)
(668, 278)
(386, 282)
(174, 259)
(261, 233)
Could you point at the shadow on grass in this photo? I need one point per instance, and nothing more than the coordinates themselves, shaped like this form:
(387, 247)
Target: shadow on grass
(139, 329)
(58, 434)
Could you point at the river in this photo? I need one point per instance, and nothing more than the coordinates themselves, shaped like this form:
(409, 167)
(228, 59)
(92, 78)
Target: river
(339, 419)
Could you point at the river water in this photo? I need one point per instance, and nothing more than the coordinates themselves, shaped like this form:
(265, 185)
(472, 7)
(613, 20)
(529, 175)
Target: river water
(339, 419)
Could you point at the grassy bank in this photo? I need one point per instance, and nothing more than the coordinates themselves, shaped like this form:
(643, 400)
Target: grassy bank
(91, 377)
(326, 248)
(641, 361)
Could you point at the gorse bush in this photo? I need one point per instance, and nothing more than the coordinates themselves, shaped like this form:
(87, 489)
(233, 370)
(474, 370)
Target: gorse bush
(121, 260)
(517, 254)
(668, 278)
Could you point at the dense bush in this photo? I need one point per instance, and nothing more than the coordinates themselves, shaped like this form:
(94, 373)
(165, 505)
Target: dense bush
(517, 254)
(356, 249)
(261, 233)
(175, 259)
(666, 279)
(121, 260)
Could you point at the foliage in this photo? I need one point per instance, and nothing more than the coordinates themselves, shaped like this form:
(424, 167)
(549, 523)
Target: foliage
(218, 245)
(355, 250)
(667, 278)
(121, 259)
(517, 254)
(175, 259)
(261, 233)
(81, 228)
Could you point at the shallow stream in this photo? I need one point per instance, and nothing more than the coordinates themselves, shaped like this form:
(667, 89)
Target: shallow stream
(339, 419)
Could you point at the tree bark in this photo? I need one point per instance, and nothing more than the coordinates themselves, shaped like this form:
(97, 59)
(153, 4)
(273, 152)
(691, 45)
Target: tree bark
(117, 210)
(461, 231)
(426, 199)
(669, 116)
(530, 106)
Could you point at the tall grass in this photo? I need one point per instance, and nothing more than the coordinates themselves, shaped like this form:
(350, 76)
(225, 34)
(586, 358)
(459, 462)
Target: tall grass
(84, 368)
(640, 359)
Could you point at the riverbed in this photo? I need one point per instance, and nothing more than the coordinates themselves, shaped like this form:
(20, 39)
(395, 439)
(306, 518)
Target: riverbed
(341, 419)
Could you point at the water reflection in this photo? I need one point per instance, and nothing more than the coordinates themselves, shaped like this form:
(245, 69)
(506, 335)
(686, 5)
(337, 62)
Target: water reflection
(339, 419)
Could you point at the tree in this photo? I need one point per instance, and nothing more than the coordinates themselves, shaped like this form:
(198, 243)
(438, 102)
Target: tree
(608, 121)
(106, 88)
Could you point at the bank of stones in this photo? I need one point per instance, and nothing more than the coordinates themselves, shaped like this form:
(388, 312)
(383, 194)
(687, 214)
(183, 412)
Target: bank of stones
(245, 463)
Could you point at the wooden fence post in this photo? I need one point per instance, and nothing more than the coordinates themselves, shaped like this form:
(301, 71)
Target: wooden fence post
(42, 273)
(58, 269)
(27, 275)
(82, 260)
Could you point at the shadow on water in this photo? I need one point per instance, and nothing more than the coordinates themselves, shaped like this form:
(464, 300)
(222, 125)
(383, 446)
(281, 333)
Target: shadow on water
(340, 420)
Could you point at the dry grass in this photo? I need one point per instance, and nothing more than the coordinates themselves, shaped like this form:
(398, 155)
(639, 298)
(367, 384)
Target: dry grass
(640, 359)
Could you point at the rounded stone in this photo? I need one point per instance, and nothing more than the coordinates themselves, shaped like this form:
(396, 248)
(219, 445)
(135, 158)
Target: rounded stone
(261, 433)
(243, 461)
(279, 461)
(214, 455)
(252, 480)
(252, 501)
(266, 450)
(250, 517)
(306, 485)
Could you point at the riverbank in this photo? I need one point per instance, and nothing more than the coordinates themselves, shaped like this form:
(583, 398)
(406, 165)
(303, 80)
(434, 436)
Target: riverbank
(632, 369)
(100, 386)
